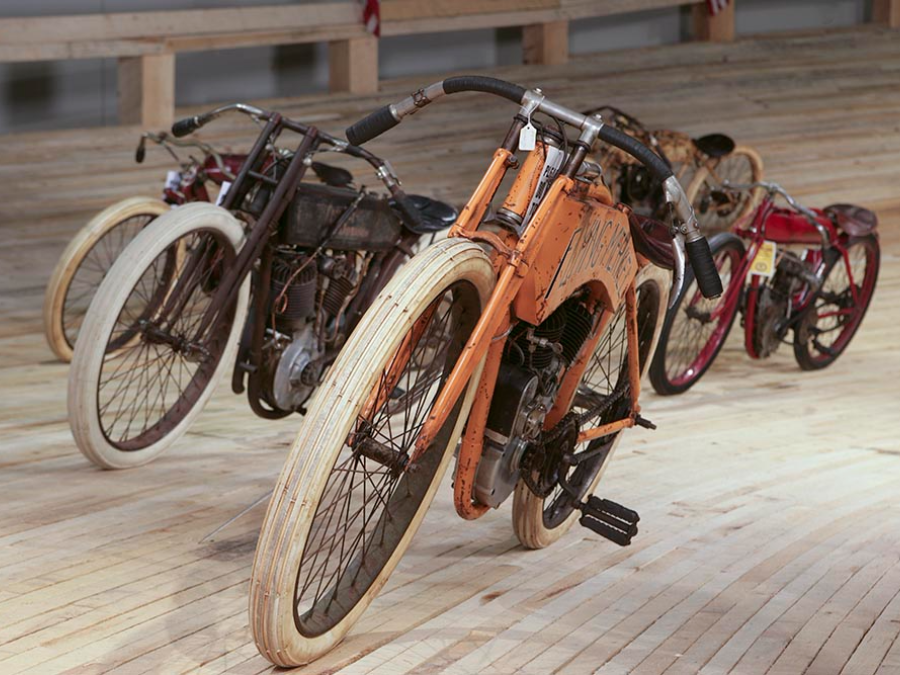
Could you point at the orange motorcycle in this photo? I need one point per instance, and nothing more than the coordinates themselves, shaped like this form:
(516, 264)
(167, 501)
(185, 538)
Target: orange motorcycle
(524, 333)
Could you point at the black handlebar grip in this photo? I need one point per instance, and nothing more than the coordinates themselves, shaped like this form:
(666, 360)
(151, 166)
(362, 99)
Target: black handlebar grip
(371, 126)
(490, 85)
(185, 127)
(658, 167)
(704, 268)
(141, 151)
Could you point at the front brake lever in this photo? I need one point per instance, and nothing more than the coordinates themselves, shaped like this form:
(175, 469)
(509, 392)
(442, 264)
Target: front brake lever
(678, 272)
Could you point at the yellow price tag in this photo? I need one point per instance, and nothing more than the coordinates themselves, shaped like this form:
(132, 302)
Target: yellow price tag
(764, 262)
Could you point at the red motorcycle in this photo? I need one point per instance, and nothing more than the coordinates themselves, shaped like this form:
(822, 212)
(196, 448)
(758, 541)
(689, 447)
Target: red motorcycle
(93, 250)
(793, 268)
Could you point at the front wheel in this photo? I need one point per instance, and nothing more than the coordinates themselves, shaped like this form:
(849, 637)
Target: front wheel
(84, 264)
(716, 209)
(837, 310)
(142, 369)
(696, 327)
(539, 522)
(345, 507)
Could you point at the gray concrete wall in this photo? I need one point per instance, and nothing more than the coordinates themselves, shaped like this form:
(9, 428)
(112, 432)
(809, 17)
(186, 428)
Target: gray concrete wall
(53, 95)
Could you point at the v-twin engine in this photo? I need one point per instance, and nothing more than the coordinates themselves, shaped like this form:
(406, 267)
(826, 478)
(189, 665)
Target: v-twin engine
(308, 297)
(526, 390)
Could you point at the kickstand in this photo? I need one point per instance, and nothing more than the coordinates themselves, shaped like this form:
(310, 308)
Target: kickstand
(228, 522)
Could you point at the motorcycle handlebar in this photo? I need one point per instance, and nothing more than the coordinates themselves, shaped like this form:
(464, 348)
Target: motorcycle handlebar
(186, 126)
(376, 123)
(772, 188)
(660, 170)
(688, 238)
(705, 271)
(189, 125)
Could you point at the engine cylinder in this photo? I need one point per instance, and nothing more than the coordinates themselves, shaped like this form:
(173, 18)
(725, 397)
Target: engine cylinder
(336, 294)
(293, 291)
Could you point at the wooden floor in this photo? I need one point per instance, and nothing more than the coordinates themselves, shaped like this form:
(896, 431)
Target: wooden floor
(770, 498)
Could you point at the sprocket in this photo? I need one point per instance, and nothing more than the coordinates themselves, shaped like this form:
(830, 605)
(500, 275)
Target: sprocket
(541, 461)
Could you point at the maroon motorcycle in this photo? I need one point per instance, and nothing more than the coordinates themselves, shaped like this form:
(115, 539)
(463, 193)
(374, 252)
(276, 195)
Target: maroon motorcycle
(790, 269)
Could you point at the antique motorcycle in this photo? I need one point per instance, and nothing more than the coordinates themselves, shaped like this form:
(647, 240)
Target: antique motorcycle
(523, 333)
(172, 312)
(808, 271)
(92, 251)
(700, 164)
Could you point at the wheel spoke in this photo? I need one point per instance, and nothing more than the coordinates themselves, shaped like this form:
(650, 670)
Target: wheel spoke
(92, 269)
(367, 506)
(152, 374)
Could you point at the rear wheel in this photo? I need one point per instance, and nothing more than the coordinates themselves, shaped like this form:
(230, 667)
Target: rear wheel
(143, 370)
(84, 264)
(344, 510)
(696, 327)
(837, 310)
(716, 209)
(539, 522)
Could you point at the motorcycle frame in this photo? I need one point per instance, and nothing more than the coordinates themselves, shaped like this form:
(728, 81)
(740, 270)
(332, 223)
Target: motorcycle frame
(527, 265)
(260, 229)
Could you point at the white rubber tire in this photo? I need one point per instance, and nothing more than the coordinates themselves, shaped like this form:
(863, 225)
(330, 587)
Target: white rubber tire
(321, 438)
(74, 254)
(528, 509)
(756, 168)
(101, 318)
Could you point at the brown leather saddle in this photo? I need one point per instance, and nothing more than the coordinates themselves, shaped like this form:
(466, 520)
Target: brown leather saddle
(715, 145)
(652, 240)
(854, 220)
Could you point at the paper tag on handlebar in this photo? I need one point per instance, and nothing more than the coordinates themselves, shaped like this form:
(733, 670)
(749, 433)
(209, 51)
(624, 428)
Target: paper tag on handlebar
(223, 192)
(763, 264)
(173, 180)
(527, 138)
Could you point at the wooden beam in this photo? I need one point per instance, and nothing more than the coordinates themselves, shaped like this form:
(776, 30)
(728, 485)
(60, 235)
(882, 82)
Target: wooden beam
(718, 28)
(158, 25)
(886, 12)
(404, 10)
(546, 43)
(353, 65)
(146, 87)
(568, 10)
(120, 34)
(200, 43)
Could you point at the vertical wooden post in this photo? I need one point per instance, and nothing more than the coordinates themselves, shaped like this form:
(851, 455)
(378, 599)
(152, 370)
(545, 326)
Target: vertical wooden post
(886, 12)
(718, 28)
(353, 65)
(146, 88)
(546, 43)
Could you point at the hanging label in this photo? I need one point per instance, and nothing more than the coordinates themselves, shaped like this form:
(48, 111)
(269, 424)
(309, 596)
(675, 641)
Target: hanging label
(173, 180)
(223, 192)
(552, 163)
(764, 262)
(527, 138)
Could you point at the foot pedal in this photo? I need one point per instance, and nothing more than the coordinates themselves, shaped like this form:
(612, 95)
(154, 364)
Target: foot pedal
(610, 520)
(644, 422)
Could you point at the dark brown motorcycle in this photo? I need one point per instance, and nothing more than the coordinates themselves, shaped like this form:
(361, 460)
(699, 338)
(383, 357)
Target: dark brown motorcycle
(269, 283)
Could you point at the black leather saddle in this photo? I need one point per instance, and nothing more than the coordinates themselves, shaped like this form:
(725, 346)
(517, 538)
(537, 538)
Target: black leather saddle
(715, 145)
(854, 220)
(434, 215)
(332, 175)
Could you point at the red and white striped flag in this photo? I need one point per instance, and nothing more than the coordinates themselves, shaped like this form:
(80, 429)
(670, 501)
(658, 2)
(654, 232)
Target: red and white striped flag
(716, 6)
(372, 16)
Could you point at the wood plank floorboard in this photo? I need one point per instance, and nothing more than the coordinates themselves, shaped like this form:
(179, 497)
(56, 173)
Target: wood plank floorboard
(770, 531)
